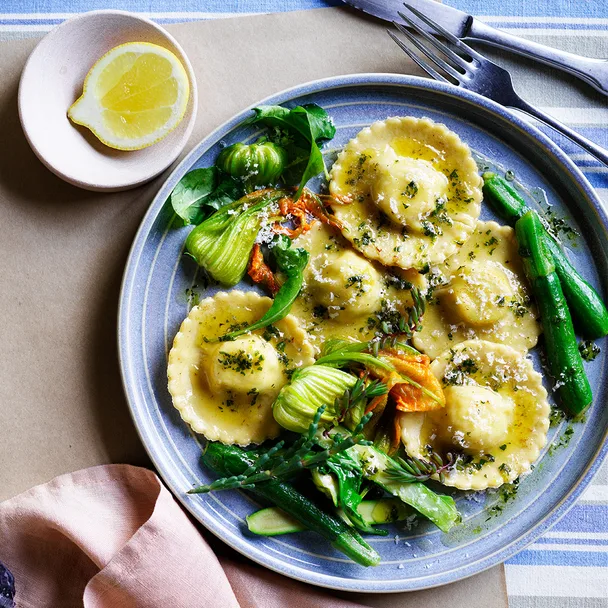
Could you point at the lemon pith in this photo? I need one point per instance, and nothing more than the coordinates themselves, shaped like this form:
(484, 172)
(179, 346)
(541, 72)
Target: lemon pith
(133, 96)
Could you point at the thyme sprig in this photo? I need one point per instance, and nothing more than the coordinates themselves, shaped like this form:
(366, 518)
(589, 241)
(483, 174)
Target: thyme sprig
(361, 390)
(412, 469)
(390, 343)
(275, 465)
(407, 325)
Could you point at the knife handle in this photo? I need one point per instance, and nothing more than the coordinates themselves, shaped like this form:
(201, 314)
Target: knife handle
(592, 71)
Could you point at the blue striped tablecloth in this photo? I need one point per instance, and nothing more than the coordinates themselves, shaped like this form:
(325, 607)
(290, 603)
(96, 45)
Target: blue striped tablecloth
(568, 566)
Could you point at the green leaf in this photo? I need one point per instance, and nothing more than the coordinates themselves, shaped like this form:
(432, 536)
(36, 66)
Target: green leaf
(202, 191)
(228, 190)
(321, 126)
(315, 165)
(300, 131)
(273, 116)
(290, 261)
(297, 161)
(309, 120)
(349, 475)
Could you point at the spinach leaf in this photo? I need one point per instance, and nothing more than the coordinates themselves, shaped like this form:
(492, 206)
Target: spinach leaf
(300, 131)
(314, 166)
(321, 126)
(297, 161)
(291, 262)
(202, 191)
(310, 120)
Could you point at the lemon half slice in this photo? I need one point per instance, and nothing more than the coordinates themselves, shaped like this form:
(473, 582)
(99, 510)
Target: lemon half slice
(133, 96)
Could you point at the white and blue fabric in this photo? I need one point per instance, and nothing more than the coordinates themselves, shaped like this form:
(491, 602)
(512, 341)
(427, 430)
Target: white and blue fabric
(568, 566)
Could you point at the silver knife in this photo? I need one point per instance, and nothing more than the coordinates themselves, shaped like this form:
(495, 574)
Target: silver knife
(592, 71)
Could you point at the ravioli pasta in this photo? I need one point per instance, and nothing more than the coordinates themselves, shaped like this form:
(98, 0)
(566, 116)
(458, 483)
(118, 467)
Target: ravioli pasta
(406, 196)
(225, 390)
(496, 415)
(480, 292)
(408, 192)
(344, 295)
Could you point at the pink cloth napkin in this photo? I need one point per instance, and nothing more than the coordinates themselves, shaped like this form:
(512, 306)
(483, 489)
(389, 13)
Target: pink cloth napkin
(113, 537)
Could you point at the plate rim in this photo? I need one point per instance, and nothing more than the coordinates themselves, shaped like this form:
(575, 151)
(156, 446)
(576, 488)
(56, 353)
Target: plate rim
(239, 544)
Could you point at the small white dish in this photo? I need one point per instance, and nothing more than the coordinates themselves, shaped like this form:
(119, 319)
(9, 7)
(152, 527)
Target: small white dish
(52, 80)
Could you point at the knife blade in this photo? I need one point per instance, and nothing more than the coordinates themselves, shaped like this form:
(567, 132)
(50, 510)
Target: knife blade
(453, 20)
(463, 26)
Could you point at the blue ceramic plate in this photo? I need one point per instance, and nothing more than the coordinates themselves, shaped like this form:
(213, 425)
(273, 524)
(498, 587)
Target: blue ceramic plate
(154, 302)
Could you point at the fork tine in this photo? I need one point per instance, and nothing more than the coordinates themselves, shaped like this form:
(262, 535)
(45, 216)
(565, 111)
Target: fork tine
(440, 46)
(432, 56)
(422, 64)
(447, 35)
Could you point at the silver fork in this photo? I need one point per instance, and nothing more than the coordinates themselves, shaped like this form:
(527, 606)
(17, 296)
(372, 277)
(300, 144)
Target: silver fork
(475, 73)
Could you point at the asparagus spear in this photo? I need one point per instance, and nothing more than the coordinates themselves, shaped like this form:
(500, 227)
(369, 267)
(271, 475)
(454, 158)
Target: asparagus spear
(232, 460)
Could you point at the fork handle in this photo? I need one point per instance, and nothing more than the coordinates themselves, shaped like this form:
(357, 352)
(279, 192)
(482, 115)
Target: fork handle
(591, 147)
(592, 71)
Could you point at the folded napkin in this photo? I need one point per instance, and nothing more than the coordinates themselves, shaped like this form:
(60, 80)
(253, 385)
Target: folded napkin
(113, 537)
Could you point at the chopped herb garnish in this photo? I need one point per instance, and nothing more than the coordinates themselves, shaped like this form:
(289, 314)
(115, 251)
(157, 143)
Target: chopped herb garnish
(319, 312)
(520, 307)
(241, 361)
(558, 226)
(563, 441)
(589, 350)
(440, 213)
(556, 417)
(355, 281)
(193, 297)
(429, 229)
(506, 493)
(397, 282)
(365, 239)
(410, 190)
(456, 373)
(270, 332)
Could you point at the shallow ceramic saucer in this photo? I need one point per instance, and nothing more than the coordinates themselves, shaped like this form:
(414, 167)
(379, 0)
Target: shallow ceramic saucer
(52, 80)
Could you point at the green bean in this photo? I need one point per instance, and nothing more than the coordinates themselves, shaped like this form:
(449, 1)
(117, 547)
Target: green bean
(566, 365)
(232, 460)
(588, 311)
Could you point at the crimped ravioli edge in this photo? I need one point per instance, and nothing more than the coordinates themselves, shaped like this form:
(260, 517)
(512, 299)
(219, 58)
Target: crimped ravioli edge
(196, 423)
(468, 165)
(480, 480)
